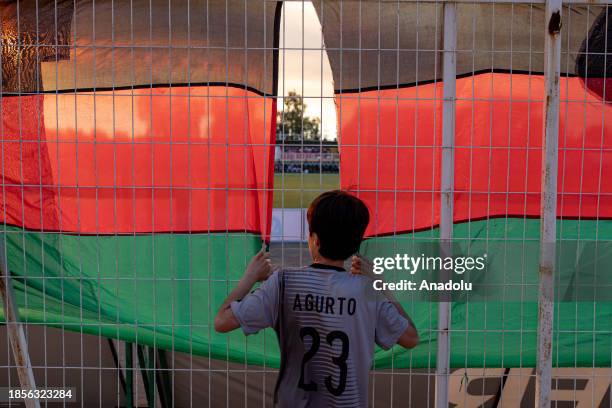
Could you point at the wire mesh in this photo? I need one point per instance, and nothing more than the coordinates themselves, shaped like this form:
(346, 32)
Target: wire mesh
(148, 147)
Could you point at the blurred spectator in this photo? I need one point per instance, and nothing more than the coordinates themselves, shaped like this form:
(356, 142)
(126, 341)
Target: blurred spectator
(307, 167)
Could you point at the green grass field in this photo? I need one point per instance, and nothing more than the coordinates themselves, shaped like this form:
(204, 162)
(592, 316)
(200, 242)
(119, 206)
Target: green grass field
(298, 190)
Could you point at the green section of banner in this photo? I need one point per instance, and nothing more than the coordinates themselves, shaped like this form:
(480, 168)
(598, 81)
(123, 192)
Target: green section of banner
(502, 331)
(163, 290)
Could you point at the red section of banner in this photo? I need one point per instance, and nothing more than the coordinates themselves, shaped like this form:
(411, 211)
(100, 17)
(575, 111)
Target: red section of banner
(390, 151)
(27, 192)
(135, 161)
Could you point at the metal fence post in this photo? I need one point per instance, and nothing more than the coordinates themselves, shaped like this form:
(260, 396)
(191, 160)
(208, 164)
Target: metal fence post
(15, 330)
(446, 206)
(552, 69)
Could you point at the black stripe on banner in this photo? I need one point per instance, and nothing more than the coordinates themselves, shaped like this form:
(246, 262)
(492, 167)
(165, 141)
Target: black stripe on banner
(431, 81)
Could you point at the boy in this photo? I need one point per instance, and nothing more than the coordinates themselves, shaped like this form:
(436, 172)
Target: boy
(327, 320)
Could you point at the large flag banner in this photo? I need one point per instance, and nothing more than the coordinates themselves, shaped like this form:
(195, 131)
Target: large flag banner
(386, 59)
(137, 161)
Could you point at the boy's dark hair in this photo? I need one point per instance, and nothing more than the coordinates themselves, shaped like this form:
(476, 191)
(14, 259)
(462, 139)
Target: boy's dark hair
(339, 219)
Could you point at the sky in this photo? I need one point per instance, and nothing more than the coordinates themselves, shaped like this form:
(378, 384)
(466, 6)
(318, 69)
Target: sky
(303, 65)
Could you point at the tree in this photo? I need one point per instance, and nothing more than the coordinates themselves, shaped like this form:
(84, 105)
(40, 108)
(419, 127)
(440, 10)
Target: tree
(291, 122)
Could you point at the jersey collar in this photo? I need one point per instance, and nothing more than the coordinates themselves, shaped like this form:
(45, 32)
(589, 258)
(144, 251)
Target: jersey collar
(323, 266)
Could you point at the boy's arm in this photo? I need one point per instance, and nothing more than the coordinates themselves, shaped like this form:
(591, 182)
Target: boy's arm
(410, 337)
(259, 269)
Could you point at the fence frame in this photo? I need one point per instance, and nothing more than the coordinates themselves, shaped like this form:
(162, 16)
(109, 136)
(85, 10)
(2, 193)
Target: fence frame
(548, 204)
(551, 101)
(446, 195)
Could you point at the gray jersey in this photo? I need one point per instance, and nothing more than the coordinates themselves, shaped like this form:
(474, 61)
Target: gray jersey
(327, 321)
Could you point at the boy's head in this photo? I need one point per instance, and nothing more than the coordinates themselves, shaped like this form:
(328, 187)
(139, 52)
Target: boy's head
(337, 221)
